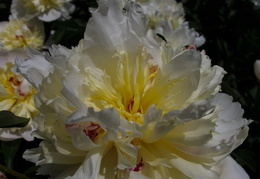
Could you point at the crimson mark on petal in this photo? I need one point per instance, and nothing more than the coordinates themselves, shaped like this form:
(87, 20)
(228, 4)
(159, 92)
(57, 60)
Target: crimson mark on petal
(190, 46)
(138, 166)
(91, 130)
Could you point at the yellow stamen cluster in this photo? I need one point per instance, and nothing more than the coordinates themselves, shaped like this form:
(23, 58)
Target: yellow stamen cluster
(17, 34)
(16, 94)
(43, 5)
(135, 90)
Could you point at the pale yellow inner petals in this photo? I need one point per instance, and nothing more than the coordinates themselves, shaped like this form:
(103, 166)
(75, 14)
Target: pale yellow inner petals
(139, 84)
(16, 34)
(17, 90)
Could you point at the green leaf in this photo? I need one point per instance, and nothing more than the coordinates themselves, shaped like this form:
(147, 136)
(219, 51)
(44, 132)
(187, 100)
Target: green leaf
(8, 119)
(9, 149)
(31, 170)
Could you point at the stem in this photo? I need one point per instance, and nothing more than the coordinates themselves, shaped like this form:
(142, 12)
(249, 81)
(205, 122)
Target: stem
(12, 172)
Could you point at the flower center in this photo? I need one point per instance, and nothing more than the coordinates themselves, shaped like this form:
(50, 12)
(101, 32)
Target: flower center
(17, 93)
(131, 92)
(16, 34)
(15, 83)
(91, 129)
(133, 86)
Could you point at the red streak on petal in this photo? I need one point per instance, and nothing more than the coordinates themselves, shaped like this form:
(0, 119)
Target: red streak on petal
(130, 104)
(138, 166)
(20, 92)
(19, 37)
(71, 125)
(91, 130)
(190, 46)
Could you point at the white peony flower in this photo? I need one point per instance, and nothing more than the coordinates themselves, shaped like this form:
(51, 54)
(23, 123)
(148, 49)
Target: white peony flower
(45, 10)
(125, 104)
(16, 95)
(18, 33)
(257, 69)
(166, 17)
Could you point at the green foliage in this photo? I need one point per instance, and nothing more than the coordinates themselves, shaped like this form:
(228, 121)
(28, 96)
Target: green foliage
(9, 149)
(8, 119)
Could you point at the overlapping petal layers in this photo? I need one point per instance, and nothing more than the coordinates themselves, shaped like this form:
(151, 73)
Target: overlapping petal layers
(166, 17)
(45, 10)
(125, 104)
(18, 33)
(16, 95)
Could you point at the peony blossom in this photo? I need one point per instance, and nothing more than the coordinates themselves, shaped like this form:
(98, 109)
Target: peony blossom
(257, 69)
(16, 95)
(126, 104)
(45, 10)
(166, 17)
(18, 33)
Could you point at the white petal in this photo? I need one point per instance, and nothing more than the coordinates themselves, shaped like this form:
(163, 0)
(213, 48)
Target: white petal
(229, 168)
(50, 15)
(34, 69)
(91, 165)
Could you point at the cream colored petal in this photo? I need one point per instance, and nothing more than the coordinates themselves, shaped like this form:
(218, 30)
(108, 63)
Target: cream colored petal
(6, 104)
(127, 155)
(50, 15)
(108, 165)
(57, 171)
(157, 126)
(34, 69)
(134, 175)
(192, 137)
(194, 170)
(229, 168)
(210, 79)
(51, 155)
(90, 168)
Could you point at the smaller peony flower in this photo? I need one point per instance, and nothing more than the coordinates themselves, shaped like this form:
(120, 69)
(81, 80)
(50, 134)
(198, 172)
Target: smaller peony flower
(167, 19)
(18, 33)
(257, 69)
(16, 95)
(160, 11)
(45, 10)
